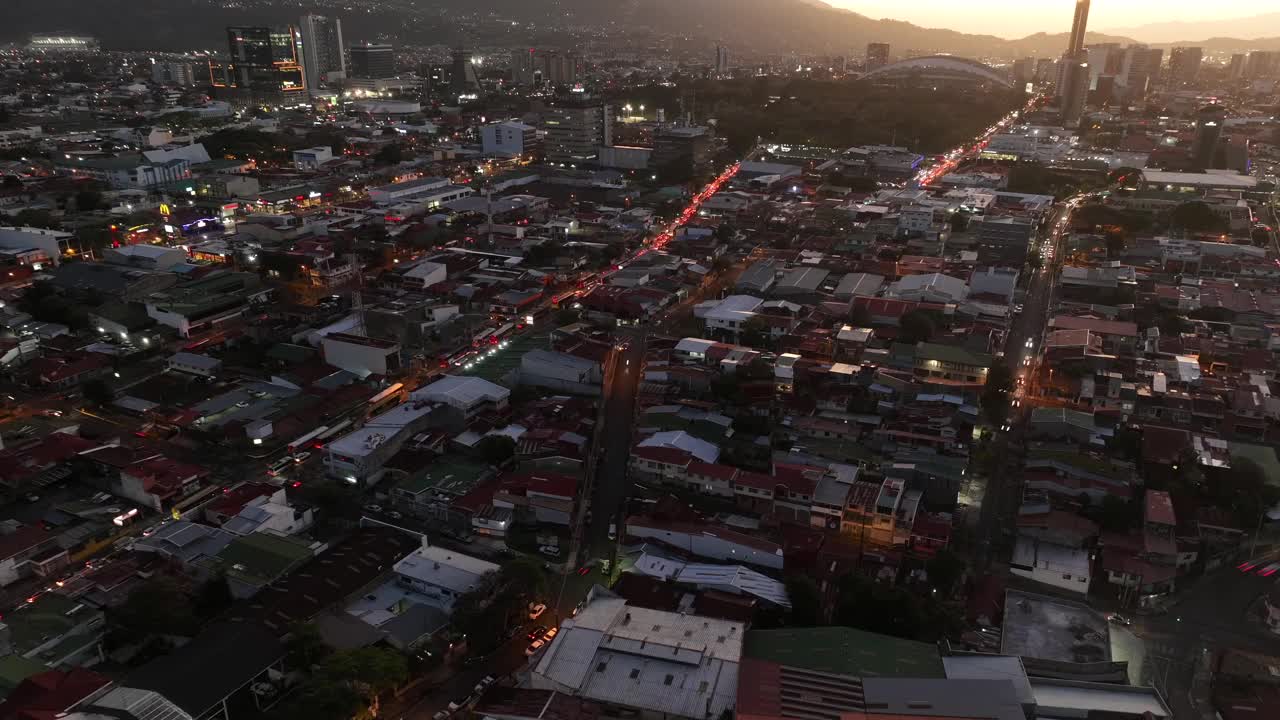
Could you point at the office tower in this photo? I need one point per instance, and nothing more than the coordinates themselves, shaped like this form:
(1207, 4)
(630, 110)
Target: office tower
(1209, 122)
(1104, 59)
(1075, 90)
(464, 80)
(372, 61)
(1235, 70)
(1261, 64)
(1078, 26)
(1024, 71)
(524, 68)
(322, 50)
(265, 60)
(1046, 71)
(1184, 64)
(173, 73)
(561, 69)
(688, 147)
(722, 60)
(575, 130)
(1073, 72)
(877, 55)
(1141, 69)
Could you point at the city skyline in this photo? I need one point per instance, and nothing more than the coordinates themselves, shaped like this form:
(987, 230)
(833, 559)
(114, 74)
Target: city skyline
(1014, 19)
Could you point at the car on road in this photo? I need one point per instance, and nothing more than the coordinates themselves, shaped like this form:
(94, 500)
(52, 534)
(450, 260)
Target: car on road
(551, 634)
(1119, 619)
(535, 611)
(373, 508)
(484, 683)
(301, 457)
(394, 515)
(534, 647)
(1017, 309)
(537, 631)
(613, 531)
(441, 715)
(550, 551)
(279, 466)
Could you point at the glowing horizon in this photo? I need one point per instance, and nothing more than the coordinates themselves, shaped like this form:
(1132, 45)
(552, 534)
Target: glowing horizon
(1019, 18)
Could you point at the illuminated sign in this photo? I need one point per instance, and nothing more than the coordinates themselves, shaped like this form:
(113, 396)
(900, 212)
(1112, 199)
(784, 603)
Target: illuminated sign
(165, 209)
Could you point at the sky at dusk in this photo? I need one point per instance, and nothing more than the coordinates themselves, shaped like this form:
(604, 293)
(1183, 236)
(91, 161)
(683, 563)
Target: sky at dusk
(1018, 18)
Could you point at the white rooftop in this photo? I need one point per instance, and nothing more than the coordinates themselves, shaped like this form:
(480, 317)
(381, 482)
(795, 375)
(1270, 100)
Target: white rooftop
(735, 308)
(1209, 179)
(681, 440)
(735, 579)
(682, 665)
(462, 391)
(445, 568)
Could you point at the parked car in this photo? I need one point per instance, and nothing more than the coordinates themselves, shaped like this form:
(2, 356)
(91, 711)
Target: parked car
(279, 466)
(534, 647)
(613, 531)
(550, 551)
(535, 611)
(301, 457)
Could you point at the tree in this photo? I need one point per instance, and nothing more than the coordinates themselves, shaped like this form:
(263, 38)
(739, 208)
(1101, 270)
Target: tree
(945, 570)
(305, 646)
(88, 200)
(391, 154)
(916, 326)
(156, 607)
(97, 391)
(1034, 260)
(755, 333)
(995, 394)
(1197, 217)
(1115, 515)
(496, 449)
(860, 316)
(806, 601)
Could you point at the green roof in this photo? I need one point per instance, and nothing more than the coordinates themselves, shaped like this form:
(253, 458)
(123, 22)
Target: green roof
(1263, 455)
(37, 623)
(1084, 461)
(846, 651)
(952, 354)
(14, 669)
(449, 474)
(263, 557)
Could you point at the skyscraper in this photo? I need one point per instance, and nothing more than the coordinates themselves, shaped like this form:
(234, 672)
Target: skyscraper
(372, 61)
(1262, 64)
(1209, 122)
(1184, 64)
(1140, 70)
(575, 130)
(1235, 70)
(322, 50)
(1078, 27)
(464, 79)
(265, 60)
(722, 60)
(877, 55)
(1073, 87)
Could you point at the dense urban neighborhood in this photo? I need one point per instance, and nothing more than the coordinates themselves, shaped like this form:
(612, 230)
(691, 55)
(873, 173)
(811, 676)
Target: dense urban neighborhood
(628, 376)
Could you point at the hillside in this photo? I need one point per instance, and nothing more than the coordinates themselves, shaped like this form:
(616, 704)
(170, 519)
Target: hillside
(765, 25)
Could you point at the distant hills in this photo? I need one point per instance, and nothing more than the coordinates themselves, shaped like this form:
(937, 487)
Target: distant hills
(1266, 25)
(764, 25)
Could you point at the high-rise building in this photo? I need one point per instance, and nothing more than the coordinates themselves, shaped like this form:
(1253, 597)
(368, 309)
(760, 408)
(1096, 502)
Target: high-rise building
(1046, 71)
(1209, 122)
(265, 60)
(877, 55)
(322, 50)
(1184, 64)
(1078, 27)
(1140, 70)
(686, 147)
(722, 60)
(1073, 72)
(1235, 70)
(372, 61)
(1075, 89)
(1024, 71)
(535, 68)
(173, 73)
(1104, 59)
(464, 80)
(575, 130)
(1262, 64)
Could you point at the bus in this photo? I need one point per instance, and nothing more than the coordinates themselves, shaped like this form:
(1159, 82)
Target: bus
(385, 399)
(305, 440)
(331, 432)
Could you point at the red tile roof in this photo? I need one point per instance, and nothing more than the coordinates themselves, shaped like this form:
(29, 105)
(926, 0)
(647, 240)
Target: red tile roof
(1159, 508)
(713, 470)
(50, 694)
(555, 484)
(21, 540)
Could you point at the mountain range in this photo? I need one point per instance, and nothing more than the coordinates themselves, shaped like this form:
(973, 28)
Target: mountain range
(1266, 25)
(761, 25)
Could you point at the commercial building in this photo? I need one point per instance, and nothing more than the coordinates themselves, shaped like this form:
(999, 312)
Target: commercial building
(361, 355)
(877, 56)
(722, 60)
(265, 61)
(463, 78)
(644, 662)
(1184, 64)
(510, 139)
(62, 43)
(372, 61)
(312, 158)
(575, 130)
(322, 50)
(684, 150)
(407, 191)
(49, 245)
(206, 303)
(442, 575)
(174, 73)
(1209, 122)
(130, 172)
